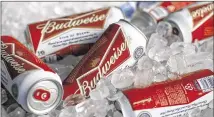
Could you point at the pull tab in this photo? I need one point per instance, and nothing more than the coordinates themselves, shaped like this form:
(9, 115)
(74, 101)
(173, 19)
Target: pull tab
(41, 95)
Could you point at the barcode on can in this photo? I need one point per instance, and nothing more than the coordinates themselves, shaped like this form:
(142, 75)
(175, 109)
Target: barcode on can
(206, 83)
(159, 13)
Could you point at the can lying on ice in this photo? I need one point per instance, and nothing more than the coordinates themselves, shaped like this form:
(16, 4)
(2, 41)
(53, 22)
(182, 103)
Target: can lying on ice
(149, 13)
(31, 82)
(72, 34)
(160, 10)
(194, 23)
(120, 46)
(169, 98)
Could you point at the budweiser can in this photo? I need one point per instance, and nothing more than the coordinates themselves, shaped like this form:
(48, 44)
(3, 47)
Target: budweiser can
(149, 13)
(170, 98)
(36, 87)
(160, 10)
(72, 34)
(120, 46)
(194, 23)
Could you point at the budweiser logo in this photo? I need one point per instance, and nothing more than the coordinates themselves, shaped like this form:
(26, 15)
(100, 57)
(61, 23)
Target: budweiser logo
(10, 59)
(52, 26)
(201, 11)
(116, 54)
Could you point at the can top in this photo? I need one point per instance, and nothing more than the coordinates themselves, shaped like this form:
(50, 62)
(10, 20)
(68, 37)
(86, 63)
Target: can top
(177, 19)
(43, 96)
(138, 30)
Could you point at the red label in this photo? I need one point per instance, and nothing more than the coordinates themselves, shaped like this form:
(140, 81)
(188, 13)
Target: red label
(41, 95)
(169, 93)
(200, 12)
(18, 58)
(175, 6)
(42, 31)
(109, 52)
(202, 16)
(163, 9)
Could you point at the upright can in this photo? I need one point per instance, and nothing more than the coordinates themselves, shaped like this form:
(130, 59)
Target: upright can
(122, 45)
(194, 23)
(73, 34)
(170, 98)
(36, 87)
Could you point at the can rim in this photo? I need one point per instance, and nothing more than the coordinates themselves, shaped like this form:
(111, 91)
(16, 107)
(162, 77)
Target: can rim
(54, 105)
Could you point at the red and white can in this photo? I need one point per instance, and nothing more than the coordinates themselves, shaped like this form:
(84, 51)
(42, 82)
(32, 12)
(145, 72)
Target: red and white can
(170, 98)
(36, 87)
(160, 10)
(148, 14)
(72, 34)
(194, 23)
(120, 46)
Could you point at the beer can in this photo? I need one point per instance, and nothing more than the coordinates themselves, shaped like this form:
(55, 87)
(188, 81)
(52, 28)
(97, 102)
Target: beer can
(160, 10)
(148, 14)
(169, 98)
(194, 23)
(122, 45)
(36, 87)
(72, 34)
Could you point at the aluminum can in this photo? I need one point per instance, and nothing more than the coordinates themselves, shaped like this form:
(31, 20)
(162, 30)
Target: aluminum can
(169, 98)
(71, 34)
(149, 13)
(160, 10)
(36, 87)
(194, 23)
(120, 46)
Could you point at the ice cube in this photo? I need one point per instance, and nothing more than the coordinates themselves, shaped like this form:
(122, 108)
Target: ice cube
(210, 105)
(164, 29)
(143, 78)
(196, 112)
(62, 70)
(154, 51)
(18, 112)
(162, 54)
(159, 68)
(122, 79)
(145, 63)
(46, 115)
(172, 75)
(172, 39)
(12, 107)
(73, 100)
(206, 46)
(99, 93)
(185, 48)
(74, 60)
(30, 115)
(177, 64)
(206, 64)
(159, 78)
(3, 112)
(156, 40)
(4, 97)
(117, 114)
(198, 57)
(69, 111)
(54, 113)
(207, 113)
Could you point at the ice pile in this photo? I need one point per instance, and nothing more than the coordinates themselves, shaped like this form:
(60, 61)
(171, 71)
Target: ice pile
(167, 57)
